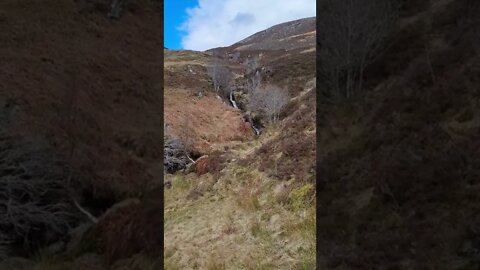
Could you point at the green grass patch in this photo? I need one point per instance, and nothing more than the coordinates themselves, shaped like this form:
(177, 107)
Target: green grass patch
(300, 198)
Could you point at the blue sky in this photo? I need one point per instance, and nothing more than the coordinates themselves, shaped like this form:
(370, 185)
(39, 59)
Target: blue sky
(205, 24)
(174, 16)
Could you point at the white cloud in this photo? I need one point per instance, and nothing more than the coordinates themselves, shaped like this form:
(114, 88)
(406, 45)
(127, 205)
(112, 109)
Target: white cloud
(217, 23)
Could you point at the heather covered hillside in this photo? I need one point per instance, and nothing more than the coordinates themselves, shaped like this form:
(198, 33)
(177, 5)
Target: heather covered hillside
(80, 110)
(240, 153)
(399, 129)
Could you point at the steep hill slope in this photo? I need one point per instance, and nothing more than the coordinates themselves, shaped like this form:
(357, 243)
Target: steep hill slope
(84, 91)
(192, 109)
(250, 205)
(286, 36)
(399, 167)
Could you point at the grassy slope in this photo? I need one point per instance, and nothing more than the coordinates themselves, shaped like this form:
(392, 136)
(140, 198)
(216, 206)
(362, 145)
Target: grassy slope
(238, 223)
(243, 217)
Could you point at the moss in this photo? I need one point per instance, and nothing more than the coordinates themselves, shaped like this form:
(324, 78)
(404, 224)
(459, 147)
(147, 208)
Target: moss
(300, 197)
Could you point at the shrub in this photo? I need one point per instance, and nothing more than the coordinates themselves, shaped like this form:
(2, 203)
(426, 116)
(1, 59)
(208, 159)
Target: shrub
(34, 200)
(220, 75)
(301, 196)
(216, 163)
(270, 100)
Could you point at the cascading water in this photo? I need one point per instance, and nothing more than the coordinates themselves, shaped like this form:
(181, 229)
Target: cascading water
(234, 104)
(257, 131)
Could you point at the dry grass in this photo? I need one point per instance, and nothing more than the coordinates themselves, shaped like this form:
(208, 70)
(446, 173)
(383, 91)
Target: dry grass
(248, 194)
(214, 263)
(229, 223)
(236, 222)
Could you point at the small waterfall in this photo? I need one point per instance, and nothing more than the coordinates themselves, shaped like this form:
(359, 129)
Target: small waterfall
(234, 104)
(257, 131)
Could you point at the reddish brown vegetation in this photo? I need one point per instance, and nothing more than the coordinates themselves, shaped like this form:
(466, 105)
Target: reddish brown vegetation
(201, 165)
(212, 163)
(245, 128)
(216, 163)
(127, 228)
(296, 144)
(119, 234)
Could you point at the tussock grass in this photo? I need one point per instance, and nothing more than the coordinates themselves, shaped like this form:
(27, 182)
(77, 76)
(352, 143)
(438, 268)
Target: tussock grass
(258, 262)
(180, 182)
(213, 263)
(170, 264)
(241, 230)
(229, 223)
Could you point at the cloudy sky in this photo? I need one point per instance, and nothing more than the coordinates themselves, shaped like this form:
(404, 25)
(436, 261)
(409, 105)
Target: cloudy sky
(207, 24)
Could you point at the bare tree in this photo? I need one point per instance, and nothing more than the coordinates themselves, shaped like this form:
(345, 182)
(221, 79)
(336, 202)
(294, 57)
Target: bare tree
(221, 76)
(253, 74)
(186, 135)
(270, 100)
(352, 35)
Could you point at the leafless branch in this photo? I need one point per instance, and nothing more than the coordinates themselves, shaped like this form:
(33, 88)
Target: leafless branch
(352, 34)
(271, 100)
(221, 76)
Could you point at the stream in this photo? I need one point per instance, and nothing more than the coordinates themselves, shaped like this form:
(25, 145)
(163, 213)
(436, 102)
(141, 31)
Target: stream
(234, 104)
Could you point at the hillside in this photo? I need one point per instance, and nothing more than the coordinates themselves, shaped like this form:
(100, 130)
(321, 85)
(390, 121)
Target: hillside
(399, 163)
(80, 111)
(298, 34)
(246, 204)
